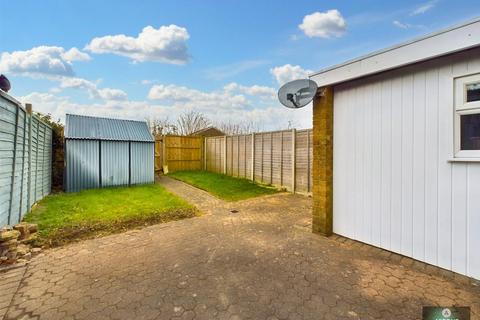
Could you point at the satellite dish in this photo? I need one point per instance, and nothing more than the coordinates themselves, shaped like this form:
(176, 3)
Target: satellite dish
(297, 93)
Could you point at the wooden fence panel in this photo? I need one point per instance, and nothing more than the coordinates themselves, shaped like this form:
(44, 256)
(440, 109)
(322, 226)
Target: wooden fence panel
(258, 158)
(302, 161)
(276, 158)
(179, 153)
(281, 158)
(215, 154)
(287, 163)
(273, 158)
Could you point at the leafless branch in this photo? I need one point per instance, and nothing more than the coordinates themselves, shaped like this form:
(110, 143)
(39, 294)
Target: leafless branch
(191, 121)
(160, 127)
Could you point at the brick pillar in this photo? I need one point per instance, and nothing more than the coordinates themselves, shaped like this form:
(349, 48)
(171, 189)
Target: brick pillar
(322, 215)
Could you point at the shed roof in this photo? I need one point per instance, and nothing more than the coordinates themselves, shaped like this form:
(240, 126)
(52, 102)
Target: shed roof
(451, 40)
(208, 132)
(87, 127)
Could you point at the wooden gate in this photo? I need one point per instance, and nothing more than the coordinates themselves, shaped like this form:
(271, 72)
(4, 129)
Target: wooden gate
(179, 153)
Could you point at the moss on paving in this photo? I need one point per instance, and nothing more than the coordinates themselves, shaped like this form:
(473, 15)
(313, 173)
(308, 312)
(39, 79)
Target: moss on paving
(66, 217)
(223, 186)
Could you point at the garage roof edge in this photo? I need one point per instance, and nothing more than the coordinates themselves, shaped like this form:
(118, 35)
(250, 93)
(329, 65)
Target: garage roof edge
(447, 41)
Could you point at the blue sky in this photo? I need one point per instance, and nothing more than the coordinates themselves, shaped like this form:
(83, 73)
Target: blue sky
(226, 59)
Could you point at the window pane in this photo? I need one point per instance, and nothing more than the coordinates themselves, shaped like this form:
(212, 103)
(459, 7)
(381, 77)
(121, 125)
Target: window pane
(470, 131)
(473, 92)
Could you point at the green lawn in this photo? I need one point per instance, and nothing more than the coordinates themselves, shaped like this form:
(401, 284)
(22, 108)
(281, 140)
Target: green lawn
(65, 217)
(223, 186)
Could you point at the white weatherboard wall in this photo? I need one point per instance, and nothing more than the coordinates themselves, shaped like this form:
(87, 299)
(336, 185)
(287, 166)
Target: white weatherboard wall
(394, 186)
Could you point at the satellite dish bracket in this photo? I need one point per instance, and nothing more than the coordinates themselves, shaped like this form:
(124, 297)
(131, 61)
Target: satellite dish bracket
(320, 92)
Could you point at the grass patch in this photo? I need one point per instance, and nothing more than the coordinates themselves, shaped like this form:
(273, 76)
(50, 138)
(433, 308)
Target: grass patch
(223, 186)
(66, 217)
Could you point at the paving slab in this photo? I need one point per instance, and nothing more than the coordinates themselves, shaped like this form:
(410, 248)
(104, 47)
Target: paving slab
(10, 279)
(260, 262)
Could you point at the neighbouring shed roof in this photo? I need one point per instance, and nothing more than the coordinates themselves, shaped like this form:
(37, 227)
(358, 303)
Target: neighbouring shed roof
(208, 132)
(86, 127)
(451, 40)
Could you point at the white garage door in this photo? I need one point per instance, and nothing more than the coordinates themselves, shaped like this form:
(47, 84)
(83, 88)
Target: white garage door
(394, 186)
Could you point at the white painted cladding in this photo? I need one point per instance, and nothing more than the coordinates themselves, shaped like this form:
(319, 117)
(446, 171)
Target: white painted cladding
(394, 186)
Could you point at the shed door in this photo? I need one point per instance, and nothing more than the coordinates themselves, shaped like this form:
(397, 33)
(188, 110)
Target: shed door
(142, 158)
(114, 163)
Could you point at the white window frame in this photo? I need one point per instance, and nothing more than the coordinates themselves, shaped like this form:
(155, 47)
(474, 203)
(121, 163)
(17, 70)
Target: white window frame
(462, 107)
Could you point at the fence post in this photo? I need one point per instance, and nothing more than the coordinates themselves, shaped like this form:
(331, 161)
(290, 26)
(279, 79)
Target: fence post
(281, 160)
(271, 158)
(263, 155)
(28, 106)
(22, 181)
(205, 153)
(225, 155)
(12, 186)
(244, 156)
(238, 156)
(36, 161)
(308, 161)
(215, 155)
(164, 153)
(43, 157)
(294, 135)
(231, 156)
(252, 164)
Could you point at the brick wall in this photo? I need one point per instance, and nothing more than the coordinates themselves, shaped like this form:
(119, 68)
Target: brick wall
(323, 162)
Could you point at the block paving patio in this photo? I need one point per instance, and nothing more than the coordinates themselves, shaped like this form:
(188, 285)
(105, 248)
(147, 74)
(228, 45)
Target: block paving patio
(261, 262)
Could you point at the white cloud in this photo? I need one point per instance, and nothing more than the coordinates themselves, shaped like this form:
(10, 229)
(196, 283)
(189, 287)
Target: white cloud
(91, 88)
(288, 72)
(111, 94)
(76, 55)
(327, 24)
(266, 117)
(76, 83)
(235, 103)
(424, 7)
(233, 96)
(193, 98)
(166, 44)
(58, 106)
(255, 90)
(41, 61)
(401, 25)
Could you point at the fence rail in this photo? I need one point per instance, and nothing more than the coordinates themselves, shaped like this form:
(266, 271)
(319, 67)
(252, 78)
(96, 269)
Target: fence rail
(25, 160)
(280, 158)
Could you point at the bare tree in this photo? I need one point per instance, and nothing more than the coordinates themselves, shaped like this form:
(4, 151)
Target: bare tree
(234, 128)
(160, 127)
(191, 121)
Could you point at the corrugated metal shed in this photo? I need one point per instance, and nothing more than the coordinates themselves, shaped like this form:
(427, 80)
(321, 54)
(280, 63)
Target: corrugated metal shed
(87, 127)
(102, 152)
(142, 159)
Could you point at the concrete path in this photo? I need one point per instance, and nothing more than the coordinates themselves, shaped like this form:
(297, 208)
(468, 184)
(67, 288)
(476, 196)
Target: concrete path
(261, 262)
